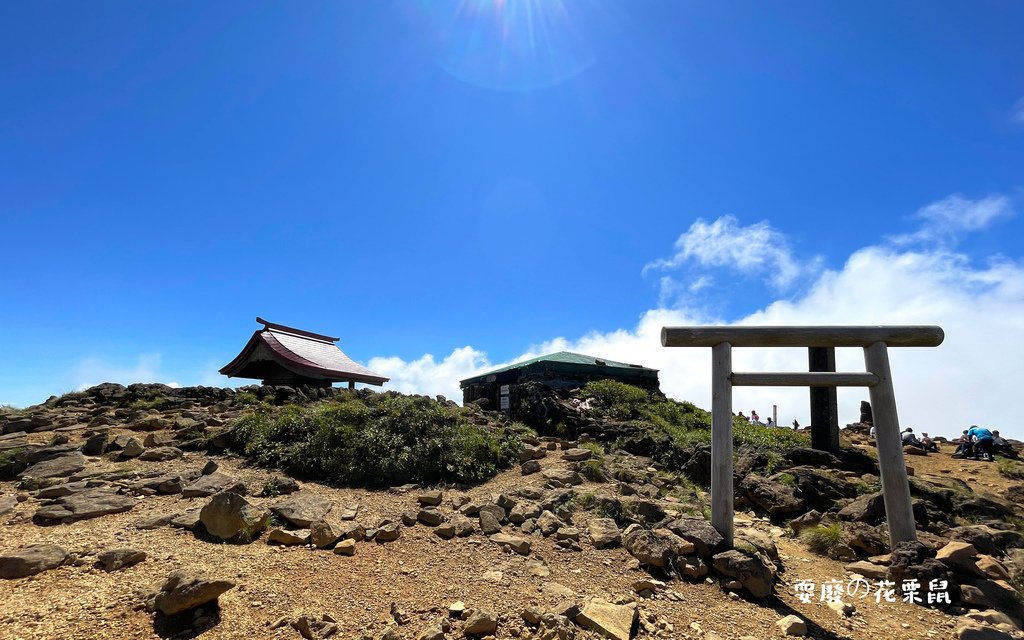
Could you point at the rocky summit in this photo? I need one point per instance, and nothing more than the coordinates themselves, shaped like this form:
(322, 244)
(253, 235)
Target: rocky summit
(146, 511)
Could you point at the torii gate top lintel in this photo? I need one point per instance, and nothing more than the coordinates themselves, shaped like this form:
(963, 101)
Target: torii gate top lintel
(820, 343)
(833, 336)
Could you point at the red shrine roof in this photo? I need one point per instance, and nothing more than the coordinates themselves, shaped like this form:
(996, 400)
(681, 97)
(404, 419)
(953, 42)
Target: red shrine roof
(302, 353)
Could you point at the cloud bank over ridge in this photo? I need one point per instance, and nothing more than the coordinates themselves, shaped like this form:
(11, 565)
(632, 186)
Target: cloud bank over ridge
(971, 378)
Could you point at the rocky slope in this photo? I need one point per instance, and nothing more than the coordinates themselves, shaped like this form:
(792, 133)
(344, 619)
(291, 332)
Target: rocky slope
(124, 514)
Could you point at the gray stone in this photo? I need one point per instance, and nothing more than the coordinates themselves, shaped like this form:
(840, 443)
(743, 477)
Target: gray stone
(604, 532)
(576, 455)
(706, 540)
(31, 560)
(488, 523)
(229, 516)
(752, 572)
(184, 591)
(519, 545)
(302, 509)
(7, 504)
(160, 454)
(91, 503)
(325, 532)
(772, 496)
(645, 546)
(114, 559)
(213, 483)
(430, 517)
(388, 532)
(481, 622)
(133, 448)
(59, 467)
(529, 467)
(430, 498)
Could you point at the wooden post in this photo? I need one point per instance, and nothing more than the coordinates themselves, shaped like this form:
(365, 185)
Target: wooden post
(824, 404)
(896, 488)
(721, 440)
(775, 415)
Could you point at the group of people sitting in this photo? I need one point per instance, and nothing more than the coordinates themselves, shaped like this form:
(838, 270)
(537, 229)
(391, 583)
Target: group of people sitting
(977, 442)
(980, 443)
(756, 419)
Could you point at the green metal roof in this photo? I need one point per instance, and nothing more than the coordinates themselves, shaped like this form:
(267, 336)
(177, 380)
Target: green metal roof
(566, 357)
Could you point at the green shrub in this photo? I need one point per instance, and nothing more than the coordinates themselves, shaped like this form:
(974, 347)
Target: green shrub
(787, 479)
(377, 439)
(246, 398)
(594, 470)
(9, 467)
(822, 538)
(1011, 469)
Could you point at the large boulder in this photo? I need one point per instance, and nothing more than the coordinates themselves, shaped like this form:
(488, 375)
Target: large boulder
(820, 489)
(748, 568)
(645, 546)
(82, 505)
(229, 516)
(31, 560)
(706, 540)
(302, 509)
(869, 508)
(771, 495)
(184, 591)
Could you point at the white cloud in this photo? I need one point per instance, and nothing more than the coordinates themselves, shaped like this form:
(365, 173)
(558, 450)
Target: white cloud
(971, 378)
(1017, 115)
(91, 371)
(945, 221)
(754, 250)
(427, 376)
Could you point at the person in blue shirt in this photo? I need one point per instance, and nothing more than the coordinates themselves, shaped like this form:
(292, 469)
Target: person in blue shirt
(982, 439)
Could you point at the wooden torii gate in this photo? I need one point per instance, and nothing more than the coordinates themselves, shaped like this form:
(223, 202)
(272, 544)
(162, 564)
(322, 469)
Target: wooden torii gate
(878, 379)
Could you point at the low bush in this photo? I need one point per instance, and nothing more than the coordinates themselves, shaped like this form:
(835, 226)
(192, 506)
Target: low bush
(822, 538)
(1011, 469)
(376, 439)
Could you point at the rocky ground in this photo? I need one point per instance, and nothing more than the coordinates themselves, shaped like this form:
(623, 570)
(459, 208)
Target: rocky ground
(126, 518)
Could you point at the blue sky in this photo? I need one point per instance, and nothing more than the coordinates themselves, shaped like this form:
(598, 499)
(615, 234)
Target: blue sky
(475, 180)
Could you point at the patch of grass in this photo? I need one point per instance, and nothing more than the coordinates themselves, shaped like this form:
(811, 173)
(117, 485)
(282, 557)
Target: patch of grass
(1010, 468)
(152, 400)
(593, 470)
(246, 398)
(867, 487)
(9, 467)
(595, 448)
(787, 479)
(271, 488)
(378, 439)
(822, 538)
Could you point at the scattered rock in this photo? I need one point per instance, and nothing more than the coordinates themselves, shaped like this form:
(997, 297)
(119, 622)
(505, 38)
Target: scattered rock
(133, 448)
(114, 559)
(430, 498)
(604, 532)
(576, 455)
(755, 576)
(91, 503)
(481, 622)
(31, 560)
(288, 538)
(213, 483)
(706, 540)
(430, 517)
(488, 523)
(868, 569)
(842, 609)
(229, 516)
(59, 467)
(388, 533)
(184, 591)
(771, 495)
(792, 626)
(519, 545)
(346, 547)
(160, 454)
(645, 546)
(613, 621)
(302, 509)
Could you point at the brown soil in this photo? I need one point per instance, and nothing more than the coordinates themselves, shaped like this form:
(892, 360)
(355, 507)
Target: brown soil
(420, 573)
